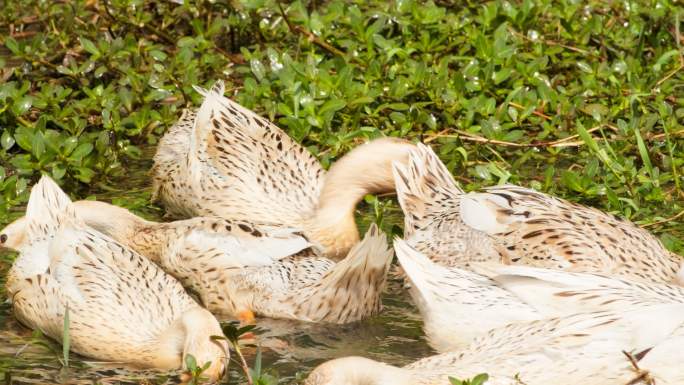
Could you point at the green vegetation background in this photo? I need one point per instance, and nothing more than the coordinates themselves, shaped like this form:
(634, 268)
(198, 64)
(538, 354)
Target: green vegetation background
(581, 99)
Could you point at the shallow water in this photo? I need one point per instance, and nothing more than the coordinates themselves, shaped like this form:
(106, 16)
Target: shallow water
(289, 349)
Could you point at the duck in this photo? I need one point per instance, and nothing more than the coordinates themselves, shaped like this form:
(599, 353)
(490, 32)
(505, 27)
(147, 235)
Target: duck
(245, 269)
(121, 307)
(601, 348)
(224, 160)
(582, 325)
(516, 225)
(459, 305)
(561, 291)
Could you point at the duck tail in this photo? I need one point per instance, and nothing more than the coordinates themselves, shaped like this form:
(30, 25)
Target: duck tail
(269, 175)
(354, 284)
(422, 273)
(170, 153)
(679, 278)
(213, 102)
(457, 305)
(48, 209)
(200, 326)
(425, 188)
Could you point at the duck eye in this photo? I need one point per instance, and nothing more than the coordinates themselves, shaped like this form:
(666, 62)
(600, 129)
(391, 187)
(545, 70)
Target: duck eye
(3, 238)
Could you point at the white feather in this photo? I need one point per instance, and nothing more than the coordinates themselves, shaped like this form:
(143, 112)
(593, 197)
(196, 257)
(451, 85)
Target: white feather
(244, 250)
(477, 212)
(457, 305)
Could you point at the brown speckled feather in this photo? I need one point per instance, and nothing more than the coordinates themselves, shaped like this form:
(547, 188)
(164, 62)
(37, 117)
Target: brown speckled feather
(122, 306)
(516, 225)
(237, 266)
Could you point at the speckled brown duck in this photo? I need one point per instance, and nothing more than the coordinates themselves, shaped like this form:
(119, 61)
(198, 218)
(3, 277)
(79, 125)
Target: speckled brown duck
(122, 307)
(226, 161)
(240, 268)
(517, 225)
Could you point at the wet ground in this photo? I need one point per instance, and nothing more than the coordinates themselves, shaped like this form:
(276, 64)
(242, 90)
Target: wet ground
(290, 349)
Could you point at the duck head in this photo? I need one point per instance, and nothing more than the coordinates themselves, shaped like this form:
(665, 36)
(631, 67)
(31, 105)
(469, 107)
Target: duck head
(14, 236)
(358, 371)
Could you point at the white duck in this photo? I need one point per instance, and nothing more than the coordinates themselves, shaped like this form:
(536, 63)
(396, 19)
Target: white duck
(517, 225)
(239, 268)
(121, 306)
(585, 348)
(459, 305)
(594, 319)
(228, 162)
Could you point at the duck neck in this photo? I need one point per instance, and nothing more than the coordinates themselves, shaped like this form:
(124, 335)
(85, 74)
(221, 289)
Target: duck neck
(365, 170)
(145, 237)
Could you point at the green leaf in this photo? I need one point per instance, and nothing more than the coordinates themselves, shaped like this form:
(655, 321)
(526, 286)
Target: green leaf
(82, 150)
(22, 105)
(6, 140)
(257, 362)
(584, 67)
(84, 174)
(258, 69)
(664, 58)
(66, 338)
(69, 145)
(572, 180)
(38, 145)
(501, 76)
(332, 105)
(480, 379)
(89, 46)
(643, 152)
(24, 138)
(190, 362)
(158, 55)
(12, 45)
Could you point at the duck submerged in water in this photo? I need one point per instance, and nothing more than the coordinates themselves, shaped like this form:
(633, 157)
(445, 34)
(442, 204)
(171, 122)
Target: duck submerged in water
(239, 268)
(584, 348)
(517, 225)
(121, 306)
(458, 306)
(226, 161)
(583, 324)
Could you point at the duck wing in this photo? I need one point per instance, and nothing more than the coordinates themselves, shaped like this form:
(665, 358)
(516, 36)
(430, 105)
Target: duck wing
(227, 244)
(583, 348)
(107, 287)
(562, 292)
(533, 228)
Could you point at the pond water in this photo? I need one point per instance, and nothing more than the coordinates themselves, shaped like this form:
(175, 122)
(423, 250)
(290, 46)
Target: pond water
(289, 349)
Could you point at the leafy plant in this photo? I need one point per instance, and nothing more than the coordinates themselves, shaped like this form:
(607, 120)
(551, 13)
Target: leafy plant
(255, 376)
(480, 379)
(194, 371)
(66, 338)
(576, 99)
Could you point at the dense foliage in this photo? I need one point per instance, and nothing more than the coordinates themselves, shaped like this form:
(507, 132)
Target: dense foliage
(581, 99)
